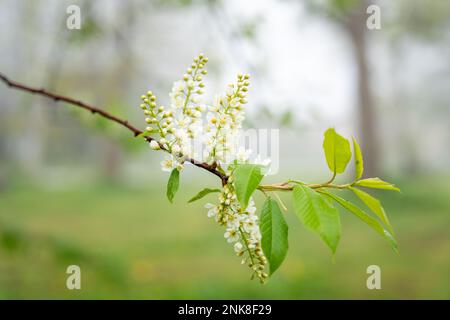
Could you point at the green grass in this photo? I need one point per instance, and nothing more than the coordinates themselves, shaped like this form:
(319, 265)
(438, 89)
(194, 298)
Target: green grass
(135, 244)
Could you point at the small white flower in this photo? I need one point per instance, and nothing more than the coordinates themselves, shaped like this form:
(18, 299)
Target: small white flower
(176, 149)
(238, 247)
(234, 221)
(243, 154)
(251, 209)
(154, 145)
(263, 162)
(231, 235)
(167, 164)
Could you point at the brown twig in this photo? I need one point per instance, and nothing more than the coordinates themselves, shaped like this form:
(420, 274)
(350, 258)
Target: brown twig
(56, 97)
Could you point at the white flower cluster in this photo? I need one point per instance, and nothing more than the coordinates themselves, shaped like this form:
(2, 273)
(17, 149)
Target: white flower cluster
(224, 120)
(183, 124)
(242, 229)
(179, 124)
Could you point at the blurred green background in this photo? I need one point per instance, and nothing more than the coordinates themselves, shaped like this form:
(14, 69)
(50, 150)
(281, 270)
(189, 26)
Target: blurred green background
(133, 244)
(75, 189)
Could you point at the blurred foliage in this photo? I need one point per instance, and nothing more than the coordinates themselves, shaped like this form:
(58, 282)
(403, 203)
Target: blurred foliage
(422, 20)
(335, 9)
(108, 129)
(273, 118)
(133, 244)
(16, 241)
(90, 30)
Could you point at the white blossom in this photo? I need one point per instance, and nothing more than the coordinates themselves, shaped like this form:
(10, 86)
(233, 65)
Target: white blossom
(154, 145)
(188, 121)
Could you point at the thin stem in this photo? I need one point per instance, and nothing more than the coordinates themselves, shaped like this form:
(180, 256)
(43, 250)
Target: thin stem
(280, 201)
(288, 187)
(332, 178)
(246, 246)
(189, 90)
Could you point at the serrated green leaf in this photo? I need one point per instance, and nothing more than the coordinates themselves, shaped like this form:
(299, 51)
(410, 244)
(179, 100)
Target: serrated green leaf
(359, 164)
(173, 184)
(376, 183)
(246, 179)
(274, 230)
(317, 214)
(374, 205)
(372, 222)
(203, 193)
(337, 151)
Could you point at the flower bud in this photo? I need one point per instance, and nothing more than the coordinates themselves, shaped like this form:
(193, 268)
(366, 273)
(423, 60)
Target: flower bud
(176, 149)
(154, 145)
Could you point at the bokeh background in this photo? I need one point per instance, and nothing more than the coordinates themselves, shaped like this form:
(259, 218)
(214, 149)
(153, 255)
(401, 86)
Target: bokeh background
(75, 189)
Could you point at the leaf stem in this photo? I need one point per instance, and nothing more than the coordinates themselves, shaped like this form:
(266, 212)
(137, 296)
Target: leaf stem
(246, 246)
(289, 187)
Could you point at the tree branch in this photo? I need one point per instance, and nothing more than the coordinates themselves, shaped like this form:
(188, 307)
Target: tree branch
(56, 97)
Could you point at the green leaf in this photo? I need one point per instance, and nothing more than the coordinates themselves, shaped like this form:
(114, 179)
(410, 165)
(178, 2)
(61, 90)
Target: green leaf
(337, 151)
(274, 230)
(376, 183)
(246, 179)
(359, 164)
(173, 184)
(317, 214)
(374, 205)
(203, 193)
(372, 222)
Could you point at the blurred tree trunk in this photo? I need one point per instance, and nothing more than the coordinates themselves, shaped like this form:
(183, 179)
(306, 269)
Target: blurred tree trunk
(355, 26)
(351, 16)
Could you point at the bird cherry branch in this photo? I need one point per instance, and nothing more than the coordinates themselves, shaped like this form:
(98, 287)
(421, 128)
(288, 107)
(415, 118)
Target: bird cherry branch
(94, 110)
(212, 168)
